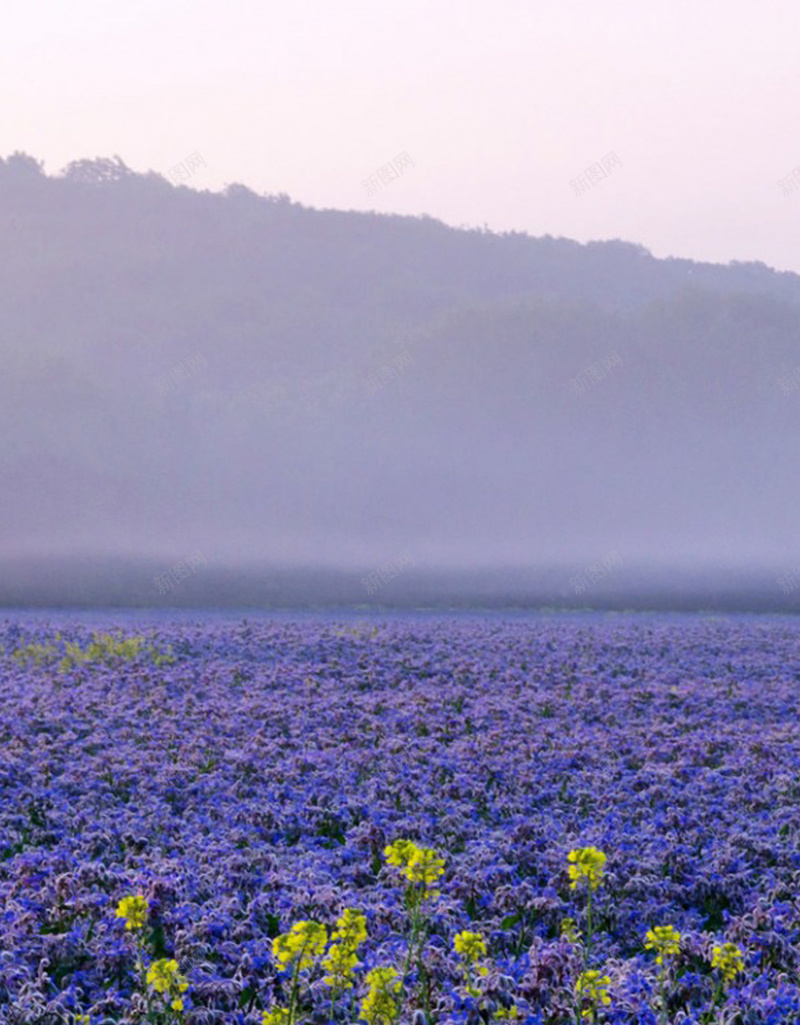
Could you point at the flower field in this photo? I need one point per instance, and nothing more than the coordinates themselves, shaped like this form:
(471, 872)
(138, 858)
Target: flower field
(431, 820)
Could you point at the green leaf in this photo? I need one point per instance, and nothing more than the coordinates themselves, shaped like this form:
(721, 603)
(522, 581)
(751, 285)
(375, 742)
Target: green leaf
(157, 942)
(246, 995)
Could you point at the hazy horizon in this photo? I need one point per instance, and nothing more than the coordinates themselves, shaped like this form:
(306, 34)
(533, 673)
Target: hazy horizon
(215, 351)
(497, 110)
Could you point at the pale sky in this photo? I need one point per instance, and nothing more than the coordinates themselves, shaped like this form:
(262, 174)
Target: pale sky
(499, 106)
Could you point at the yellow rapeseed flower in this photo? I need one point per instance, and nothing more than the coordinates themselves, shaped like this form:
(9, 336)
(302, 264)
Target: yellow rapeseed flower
(592, 986)
(586, 863)
(419, 864)
(424, 867)
(728, 958)
(399, 853)
(339, 962)
(351, 929)
(379, 1005)
(164, 977)
(133, 910)
(305, 939)
(569, 930)
(665, 939)
(341, 958)
(469, 946)
(278, 1016)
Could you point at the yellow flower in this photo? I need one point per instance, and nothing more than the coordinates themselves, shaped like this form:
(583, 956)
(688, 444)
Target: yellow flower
(665, 939)
(592, 986)
(399, 853)
(570, 930)
(341, 957)
(469, 946)
(306, 940)
(351, 929)
(379, 1003)
(424, 867)
(134, 911)
(587, 863)
(728, 958)
(280, 1016)
(164, 976)
(160, 973)
(419, 864)
(340, 962)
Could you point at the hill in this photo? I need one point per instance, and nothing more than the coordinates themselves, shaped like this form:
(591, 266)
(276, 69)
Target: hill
(261, 382)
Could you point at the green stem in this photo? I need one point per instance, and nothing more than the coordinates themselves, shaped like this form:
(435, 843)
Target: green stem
(718, 994)
(293, 995)
(590, 930)
(411, 942)
(296, 983)
(143, 974)
(421, 970)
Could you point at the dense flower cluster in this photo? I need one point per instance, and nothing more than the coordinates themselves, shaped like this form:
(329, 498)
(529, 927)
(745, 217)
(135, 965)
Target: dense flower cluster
(164, 977)
(665, 940)
(339, 963)
(586, 863)
(728, 958)
(379, 1006)
(591, 991)
(278, 1016)
(341, 959)
(570, 930)
(425, 867)
(303, 945)
(469, 945)
(133, 910)
(198, 806)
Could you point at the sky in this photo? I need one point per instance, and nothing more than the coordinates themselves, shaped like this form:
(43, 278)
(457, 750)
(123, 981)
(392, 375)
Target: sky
(491, 112)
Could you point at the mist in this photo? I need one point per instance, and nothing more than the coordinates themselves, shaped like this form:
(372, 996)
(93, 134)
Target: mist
(255, 383)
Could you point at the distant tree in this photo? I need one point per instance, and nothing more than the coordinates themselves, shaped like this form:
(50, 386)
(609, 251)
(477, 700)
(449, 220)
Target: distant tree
(21, 167)
(238, 191)
(277, 197)
(96, 172)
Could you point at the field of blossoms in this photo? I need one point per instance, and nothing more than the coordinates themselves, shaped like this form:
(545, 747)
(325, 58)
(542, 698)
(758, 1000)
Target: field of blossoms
(431, 820)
